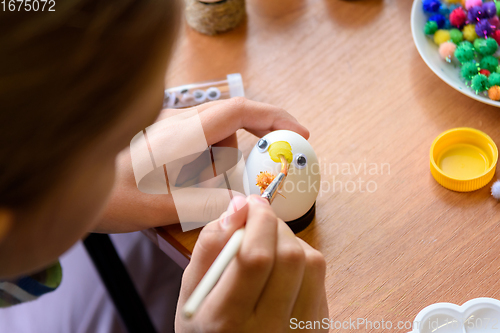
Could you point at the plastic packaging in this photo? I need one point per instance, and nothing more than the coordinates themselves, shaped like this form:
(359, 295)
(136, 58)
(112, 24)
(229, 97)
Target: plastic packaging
(477, 315)
(197, 93)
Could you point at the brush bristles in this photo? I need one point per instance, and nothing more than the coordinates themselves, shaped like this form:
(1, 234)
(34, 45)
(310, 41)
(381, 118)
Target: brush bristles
(284, 165)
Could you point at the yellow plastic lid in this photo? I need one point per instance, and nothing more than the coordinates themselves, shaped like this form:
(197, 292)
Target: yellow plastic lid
(463, 159)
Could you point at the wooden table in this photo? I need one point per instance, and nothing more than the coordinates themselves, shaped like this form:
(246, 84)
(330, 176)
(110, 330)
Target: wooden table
(349, 71)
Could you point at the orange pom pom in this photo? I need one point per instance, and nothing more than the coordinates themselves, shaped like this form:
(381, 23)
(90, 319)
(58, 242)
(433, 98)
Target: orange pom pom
(494, 93)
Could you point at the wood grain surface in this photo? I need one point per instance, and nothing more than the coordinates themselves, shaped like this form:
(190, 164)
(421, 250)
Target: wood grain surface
(349, 71)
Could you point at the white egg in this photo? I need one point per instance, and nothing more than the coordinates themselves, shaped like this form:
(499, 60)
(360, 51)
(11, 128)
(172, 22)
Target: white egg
(303, 182)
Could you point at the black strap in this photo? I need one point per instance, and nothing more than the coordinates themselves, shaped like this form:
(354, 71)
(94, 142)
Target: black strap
(118, 283)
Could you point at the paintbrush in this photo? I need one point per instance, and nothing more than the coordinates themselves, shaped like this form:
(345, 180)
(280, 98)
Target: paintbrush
(230, 250)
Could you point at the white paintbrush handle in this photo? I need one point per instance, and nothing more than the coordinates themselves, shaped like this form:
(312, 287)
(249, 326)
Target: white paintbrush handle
(213, 274)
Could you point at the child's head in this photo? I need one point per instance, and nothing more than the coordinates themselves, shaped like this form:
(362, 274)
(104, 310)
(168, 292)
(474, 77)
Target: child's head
(76, 85)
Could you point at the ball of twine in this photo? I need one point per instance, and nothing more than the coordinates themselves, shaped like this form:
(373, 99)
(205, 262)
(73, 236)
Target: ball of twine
(212, 17)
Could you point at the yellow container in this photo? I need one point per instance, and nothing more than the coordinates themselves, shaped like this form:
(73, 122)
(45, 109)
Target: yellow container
(463, 159)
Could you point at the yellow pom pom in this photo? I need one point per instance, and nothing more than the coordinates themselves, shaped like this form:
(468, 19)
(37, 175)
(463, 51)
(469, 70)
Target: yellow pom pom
(470, 32)
(280, 148)
(441, 36)
(454, 1)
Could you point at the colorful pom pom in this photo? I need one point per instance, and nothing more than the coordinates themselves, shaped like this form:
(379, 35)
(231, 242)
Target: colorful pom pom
(472, 3)
(458, 17)
(456, 36)
(489, 9)
(485, 72)
(479, 83)
(495, 22)
(492, 46)
(455, 29)
(439, 19)
(494, 94)
(467, 44)
(475, 14)
(444, 10)
(464, 52)
(483, 28)
(485, 46)
(469, 70)
(489, 62)
(446, 50)
(431, 6)
(496, 36)
(494, 79)
(430, 27)
(480, 45)
(469, 32)
(441, 36)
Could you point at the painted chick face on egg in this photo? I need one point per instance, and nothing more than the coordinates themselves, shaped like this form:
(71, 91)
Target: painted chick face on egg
(302, 184)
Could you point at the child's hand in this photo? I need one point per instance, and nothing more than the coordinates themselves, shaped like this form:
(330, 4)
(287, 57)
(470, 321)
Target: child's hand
(130, 210)
(275, 276)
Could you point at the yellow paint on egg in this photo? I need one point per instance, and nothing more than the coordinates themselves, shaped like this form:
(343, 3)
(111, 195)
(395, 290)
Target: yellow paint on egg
(280, 148)
(469, 32)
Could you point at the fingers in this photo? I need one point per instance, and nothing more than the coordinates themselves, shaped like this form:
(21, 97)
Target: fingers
(285, 281)
(239, 288)
(220, 119)
(210, 242)
(274, 277)
(311, 302)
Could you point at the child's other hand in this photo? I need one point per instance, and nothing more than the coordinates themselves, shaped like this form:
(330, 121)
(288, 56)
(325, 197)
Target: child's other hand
(275, 276)
(130, 210)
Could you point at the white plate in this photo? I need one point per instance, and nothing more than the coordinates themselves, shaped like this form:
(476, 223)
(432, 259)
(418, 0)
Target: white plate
(429, 52)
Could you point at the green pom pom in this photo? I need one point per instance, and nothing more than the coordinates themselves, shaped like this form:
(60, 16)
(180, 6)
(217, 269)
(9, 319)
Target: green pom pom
(467, 44)
(485, 46)
(478, 43)
(479, 83)
(469, 69)
(498, 7)
(464, 52)
(498, 69)
(456, 36)
(494, 79)
(430, 27)
(489, 62)
(492, 45)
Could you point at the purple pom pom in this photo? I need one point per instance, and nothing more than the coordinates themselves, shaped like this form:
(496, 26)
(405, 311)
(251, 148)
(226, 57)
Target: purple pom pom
(431, 6)
(489, 9)
(439, 19)
(483, 28)
(475, 14)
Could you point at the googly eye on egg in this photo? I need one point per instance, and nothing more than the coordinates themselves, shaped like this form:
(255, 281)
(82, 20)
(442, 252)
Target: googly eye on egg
(303, 181)
(300, 161)
(262, 145)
